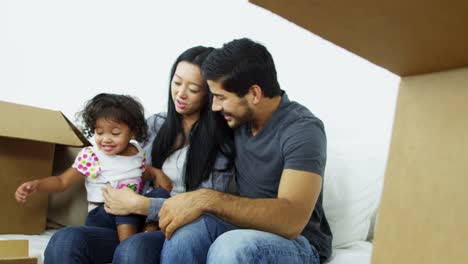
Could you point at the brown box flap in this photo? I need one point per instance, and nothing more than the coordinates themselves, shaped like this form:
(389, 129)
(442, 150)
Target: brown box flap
(405, 37)
(38, 124)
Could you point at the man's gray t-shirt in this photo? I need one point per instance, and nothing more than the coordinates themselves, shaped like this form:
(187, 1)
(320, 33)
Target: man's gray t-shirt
(293, 138)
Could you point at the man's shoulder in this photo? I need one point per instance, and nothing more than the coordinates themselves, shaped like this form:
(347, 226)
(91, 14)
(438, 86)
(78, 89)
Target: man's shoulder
(294, 114)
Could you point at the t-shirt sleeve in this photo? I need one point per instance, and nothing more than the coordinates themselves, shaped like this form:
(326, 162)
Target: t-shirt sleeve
(87, 163)
(304, 146)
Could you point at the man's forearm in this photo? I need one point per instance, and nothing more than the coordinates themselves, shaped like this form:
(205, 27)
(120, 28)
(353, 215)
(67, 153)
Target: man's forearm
(273, 215)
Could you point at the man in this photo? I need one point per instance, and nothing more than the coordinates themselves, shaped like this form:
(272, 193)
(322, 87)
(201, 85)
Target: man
(280, 162)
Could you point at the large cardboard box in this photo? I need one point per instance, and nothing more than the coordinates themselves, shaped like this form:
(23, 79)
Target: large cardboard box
(422, 218)
(28, 136)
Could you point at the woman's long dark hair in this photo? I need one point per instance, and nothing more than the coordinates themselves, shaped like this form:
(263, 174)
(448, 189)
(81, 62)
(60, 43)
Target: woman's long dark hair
(209, 136)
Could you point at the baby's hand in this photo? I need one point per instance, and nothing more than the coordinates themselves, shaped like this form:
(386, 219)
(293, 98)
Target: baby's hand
(25, 190)
(164, 182)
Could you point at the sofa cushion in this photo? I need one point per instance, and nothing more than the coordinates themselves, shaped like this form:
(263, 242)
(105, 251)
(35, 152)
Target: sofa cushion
(356, 253)
(352, 188)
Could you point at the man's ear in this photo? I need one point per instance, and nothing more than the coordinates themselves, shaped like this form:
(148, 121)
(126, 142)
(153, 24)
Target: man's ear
(257, 93)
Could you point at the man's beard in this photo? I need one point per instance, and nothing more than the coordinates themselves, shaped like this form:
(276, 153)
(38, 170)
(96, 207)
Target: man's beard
(239, 120)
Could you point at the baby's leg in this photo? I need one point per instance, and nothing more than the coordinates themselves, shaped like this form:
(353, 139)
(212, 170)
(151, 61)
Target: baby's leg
(126, 230)
(100, 218)
(127, 225)
(151, 226)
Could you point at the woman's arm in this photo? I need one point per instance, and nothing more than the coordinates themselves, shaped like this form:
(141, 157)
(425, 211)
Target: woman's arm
(221, 176)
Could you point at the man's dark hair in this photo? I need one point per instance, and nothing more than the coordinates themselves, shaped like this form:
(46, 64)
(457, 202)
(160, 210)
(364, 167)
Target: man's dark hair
(119, 108)
(241, 63)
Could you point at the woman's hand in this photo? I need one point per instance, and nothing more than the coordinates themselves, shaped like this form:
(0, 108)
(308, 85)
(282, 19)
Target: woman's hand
(123, 201)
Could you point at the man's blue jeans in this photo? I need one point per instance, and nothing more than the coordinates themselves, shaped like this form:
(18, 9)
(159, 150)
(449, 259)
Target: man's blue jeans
(211, 240)
(208, 239)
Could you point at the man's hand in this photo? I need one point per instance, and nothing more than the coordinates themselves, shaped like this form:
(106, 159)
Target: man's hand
(119, 201)
(25, 190)
(180, 210)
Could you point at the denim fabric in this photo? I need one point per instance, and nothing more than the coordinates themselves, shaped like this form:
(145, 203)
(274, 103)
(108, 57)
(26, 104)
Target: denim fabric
(81, 245)
(206, 240)
(100, 218)
(140, 248)
(253, 246)
(211, 240)
(158, 193)
(190, 243)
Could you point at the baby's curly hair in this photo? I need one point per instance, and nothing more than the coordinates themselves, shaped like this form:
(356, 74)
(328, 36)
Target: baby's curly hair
(118, 108)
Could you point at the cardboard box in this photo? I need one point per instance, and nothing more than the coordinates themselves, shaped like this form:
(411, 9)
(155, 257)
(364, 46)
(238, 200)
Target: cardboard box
(28, 136)
(15, 252)
(422, 217)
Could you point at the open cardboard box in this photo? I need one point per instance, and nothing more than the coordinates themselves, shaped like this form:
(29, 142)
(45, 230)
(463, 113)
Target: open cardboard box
(28, 138)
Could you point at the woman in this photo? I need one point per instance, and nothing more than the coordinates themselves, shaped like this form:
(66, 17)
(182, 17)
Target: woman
(190, 148)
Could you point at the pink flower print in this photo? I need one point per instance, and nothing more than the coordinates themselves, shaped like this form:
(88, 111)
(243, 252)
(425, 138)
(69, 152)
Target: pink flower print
(140, 186)
(85, 156)
(88, 164)
(121, 185)
(87, 174)
(133, 184)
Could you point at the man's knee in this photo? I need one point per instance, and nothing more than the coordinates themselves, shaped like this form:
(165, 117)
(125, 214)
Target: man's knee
(126, 249)
(190, 234)
(235, 246)
(190, 243)
(139, 248)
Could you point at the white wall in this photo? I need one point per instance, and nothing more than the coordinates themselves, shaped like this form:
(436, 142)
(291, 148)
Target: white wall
(58, 54)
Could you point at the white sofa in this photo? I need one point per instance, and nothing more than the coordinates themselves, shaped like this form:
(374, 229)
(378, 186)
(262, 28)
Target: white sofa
(352, 190)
